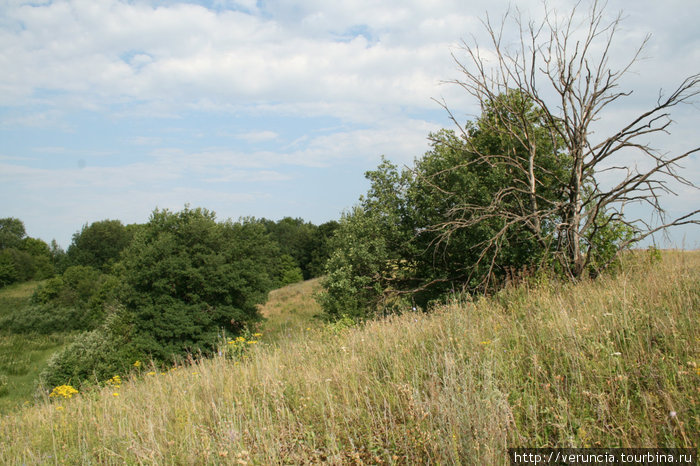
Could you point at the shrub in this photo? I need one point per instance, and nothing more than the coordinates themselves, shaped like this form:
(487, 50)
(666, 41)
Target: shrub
(93, 356)
(45, 319)
(187, 277)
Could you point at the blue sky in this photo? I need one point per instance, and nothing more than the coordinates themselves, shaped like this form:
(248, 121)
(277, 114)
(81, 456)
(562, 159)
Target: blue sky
(109, 109)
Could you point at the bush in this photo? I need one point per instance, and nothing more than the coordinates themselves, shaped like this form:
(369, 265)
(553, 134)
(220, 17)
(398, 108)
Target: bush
(8, 271)
(45, 319)
(288, 271)
(74, 301)
(187, 277)
(99, 244)
(92, 357)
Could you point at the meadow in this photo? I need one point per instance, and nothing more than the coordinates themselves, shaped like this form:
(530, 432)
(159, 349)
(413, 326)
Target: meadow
(613, 362)
(22, 356)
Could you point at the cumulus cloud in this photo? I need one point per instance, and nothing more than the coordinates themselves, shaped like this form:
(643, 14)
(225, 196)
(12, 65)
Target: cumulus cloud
(256, 91)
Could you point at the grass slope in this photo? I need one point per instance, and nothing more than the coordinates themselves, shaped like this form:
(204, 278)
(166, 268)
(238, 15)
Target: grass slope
(291, 311)
(22, 357)
(607, 363)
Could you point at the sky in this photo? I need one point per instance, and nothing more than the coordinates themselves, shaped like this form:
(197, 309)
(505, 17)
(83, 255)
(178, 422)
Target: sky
(271, 108)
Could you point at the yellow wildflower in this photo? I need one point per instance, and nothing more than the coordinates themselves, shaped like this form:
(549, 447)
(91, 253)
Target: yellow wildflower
(64, 391)
(137, 363)
(115, 394)
(115, 381)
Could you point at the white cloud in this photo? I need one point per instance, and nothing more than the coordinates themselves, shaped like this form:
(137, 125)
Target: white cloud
(363, 72)
(258, 136)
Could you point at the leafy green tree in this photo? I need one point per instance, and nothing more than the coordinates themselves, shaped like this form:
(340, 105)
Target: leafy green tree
(183, 280)
(8, 271)
(288, 271)
(371, 247)
(187, 278)
(295, 238)
(41, 254)
(98, 245)
(23, 263)
(93, 356)
(58, 256)
(391, 251)
(321, 247)
(11, 232)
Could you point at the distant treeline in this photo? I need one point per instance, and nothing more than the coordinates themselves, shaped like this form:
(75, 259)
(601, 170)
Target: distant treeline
(304, 249)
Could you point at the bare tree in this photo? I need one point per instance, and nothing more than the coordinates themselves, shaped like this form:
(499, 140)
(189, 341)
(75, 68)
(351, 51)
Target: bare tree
(563, 65)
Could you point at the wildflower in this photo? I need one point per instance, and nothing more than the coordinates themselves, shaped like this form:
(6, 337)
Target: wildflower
(115, 394)
(60, 408)
(252, 342)
(115, 381)
(257, 335)
(486, 342)
(151, 373)
(64, 391)
(672, 414)
(137, 364)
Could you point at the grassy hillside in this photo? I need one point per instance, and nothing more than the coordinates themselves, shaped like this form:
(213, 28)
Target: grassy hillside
(22, 357)
(614, 362)
(291, 311)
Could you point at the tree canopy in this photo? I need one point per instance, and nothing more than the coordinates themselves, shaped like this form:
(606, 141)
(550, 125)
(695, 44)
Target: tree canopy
(465, 217)
(98, 245)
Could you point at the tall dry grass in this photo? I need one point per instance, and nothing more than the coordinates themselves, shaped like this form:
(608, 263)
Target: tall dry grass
(607, 363)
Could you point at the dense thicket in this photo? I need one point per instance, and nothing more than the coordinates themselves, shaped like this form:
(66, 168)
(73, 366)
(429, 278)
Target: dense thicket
(391, 251)
(75, 300)
(187, 278)
(304, 246)
(22, 258)
(183, 281)
(99, 244)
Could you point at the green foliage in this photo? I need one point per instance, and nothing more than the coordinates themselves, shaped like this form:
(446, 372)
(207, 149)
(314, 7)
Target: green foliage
(22, 258)
(74, 301)
(44, 319)
(93, 356)
(425, 232)
(307, 244)
(322, 248)
(8, 271)
(604, 244)
(11, 232)
(187, 277)
(16, 266)
(288, 271)
(58, 257)
(295, 238)
(35, 247)
(99, 244)
(358, 269)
